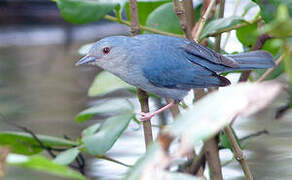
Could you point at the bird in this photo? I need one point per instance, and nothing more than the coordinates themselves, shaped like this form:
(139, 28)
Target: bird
(169, 66)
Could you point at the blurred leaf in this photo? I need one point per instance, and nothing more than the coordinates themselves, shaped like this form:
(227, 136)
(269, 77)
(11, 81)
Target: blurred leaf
(269, 8)
(85, 49)
(91, 130)
(145, 8)
(110, 131)
(247, 35)
(273, 46)
(225, 104)
(281, 26)
(157, 19)
(24, 143)
(67, 157)
(218, 25)
(43, 164)
(110, 106)
(85, 11)
(105, 83)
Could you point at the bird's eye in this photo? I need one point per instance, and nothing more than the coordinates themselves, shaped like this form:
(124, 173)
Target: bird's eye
(106, 50)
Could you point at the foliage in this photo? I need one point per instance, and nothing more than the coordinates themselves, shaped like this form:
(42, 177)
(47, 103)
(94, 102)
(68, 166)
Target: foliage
(158, 16)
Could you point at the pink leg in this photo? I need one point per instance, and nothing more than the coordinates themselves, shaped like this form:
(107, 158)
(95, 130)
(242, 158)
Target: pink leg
(148, 116)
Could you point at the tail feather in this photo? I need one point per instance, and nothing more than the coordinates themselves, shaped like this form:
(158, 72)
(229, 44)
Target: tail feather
(253, 60)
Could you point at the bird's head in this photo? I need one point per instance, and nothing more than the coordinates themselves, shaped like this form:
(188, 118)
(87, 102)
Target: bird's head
(107, 53)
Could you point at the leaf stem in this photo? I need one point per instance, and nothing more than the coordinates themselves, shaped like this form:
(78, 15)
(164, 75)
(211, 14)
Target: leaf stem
(113, 160)
(128, 23)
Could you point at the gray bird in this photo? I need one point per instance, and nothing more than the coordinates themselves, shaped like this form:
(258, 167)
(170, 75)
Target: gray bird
(169, 66)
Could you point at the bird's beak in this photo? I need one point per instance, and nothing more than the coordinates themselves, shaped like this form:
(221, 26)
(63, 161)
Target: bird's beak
(86, 59)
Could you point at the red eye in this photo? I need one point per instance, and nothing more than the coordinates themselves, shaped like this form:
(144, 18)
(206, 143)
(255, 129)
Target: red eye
(106, 50)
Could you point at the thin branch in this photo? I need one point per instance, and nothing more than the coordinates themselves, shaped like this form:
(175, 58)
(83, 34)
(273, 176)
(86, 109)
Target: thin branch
(128, 23)
(270, 70)
(212, 157)
(142, 95)
(238, 154)
(113, 160)
(180, 12)
(218, 37)
(203, 20)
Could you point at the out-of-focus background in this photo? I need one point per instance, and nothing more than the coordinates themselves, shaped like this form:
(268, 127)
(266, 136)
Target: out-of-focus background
(40, 88)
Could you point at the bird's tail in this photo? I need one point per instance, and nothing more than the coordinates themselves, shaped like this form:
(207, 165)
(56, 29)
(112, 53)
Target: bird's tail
(253, 60)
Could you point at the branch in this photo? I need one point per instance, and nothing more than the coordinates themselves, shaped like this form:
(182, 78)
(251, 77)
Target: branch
(218, 37)
(180, 12)
(128, 23)
(238, 154)
(203, 20)
(142, 95)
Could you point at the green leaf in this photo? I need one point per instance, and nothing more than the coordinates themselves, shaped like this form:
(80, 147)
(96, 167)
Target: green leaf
(91, 130)
(43, 164)
(110, 106)
(247, 35)
(281, 26)
(269, 8)
(67, 157)
(105, 83)
(85, 11)
(145, 8)
(224, 141)
(24, 143)
(157, 19)
(109, 132)
(221, 24)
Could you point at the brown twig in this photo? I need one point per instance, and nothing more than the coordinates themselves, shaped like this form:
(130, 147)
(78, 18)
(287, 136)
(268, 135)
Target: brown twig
(212, 157)
(180, 12)
(218, 37)
(238, 154)
(189, 13)
(4, 152)
(142, 95)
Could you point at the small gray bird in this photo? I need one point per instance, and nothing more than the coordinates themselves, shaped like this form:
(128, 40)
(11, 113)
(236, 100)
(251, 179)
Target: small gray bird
(168, 66)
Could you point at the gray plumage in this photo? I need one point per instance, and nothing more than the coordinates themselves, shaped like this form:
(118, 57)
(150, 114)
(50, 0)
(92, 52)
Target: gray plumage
(169, 66)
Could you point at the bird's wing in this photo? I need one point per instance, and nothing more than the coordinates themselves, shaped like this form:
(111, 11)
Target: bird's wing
(203, 54)
(179, 73)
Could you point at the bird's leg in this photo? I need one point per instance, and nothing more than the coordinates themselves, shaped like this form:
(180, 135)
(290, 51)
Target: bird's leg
(147, 116)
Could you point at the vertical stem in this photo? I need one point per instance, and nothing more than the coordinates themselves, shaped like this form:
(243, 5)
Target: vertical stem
(189, 13)
(142, 95)
(238, 154)
(180, 12)
(212, 157)
(218, 37)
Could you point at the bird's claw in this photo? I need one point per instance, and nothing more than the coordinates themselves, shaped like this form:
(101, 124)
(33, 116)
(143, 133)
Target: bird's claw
(145, 116)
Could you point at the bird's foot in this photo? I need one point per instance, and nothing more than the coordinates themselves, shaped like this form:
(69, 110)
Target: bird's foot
(146, 116)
